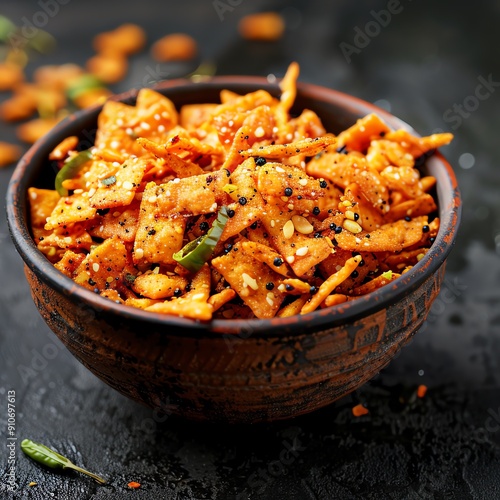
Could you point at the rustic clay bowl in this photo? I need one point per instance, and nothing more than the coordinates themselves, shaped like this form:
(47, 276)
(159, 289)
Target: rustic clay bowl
(232, 370)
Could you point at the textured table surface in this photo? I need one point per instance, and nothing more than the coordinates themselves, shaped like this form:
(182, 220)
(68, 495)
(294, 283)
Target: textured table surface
(436, 67)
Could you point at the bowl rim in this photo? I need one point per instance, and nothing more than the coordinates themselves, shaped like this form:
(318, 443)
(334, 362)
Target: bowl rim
(382, 298)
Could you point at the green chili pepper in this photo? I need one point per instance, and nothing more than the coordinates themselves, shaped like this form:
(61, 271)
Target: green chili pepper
(70, 168)
(197, 252)
(45, 456)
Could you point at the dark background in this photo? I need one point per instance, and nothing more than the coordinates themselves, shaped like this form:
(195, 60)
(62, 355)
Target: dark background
(423, 66)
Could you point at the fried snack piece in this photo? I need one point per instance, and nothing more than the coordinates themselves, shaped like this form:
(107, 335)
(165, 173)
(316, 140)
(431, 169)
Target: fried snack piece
(11, 75)
(124, 40)
(174, 47)
(9, 153)
(265, 26)
(248, 277)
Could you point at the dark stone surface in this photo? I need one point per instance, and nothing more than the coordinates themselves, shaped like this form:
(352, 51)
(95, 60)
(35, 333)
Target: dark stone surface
(429, 59)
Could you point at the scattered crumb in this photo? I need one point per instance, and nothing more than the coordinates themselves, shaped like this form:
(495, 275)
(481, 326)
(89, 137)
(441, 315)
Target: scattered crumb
(359, 410)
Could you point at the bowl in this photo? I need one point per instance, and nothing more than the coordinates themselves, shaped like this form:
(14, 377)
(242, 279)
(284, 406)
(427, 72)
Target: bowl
(240, 371)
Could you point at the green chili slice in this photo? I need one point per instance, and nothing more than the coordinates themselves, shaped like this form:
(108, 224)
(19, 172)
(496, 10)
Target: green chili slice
(70, 168)
(45, 456)
(197, 252)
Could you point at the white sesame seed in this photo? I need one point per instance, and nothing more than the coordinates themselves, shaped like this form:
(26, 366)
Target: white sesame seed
(78, 191)
(249, 281)
(280, 170)
(176, 180)
(350, 214)
(114, 144)
(139, 253)
(161, 128)
(290, 259)
(33, 195)
(95, 267)
(157, 116)
(198, 296)
(213, 208)
(303, 182)
(282, 287)
(128, 186)
(270, 301)
(273, 222)
(302, 251)
(92, 192)
(68, 239)
(290, 206)
(259, 132)
(152, 199)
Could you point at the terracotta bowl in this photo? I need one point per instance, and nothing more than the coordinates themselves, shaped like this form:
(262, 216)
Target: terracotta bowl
(232, 370)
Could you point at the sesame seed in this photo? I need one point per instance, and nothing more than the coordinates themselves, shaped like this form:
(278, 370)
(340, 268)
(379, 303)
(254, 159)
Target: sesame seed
(259, 132)
(95, 267)
(290, 259)
(273, 223)
(198, 296)
(282, 287)
(280, 170)
(270, 301)
(109, 279)
(152, 199)
(303, 182)
(302, 251)
(249, 281)
(92, 192)
(128, 186)
(139, 253)
(349, 214)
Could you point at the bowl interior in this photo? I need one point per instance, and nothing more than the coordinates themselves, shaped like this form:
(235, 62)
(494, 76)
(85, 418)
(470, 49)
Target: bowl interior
(337, 111)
